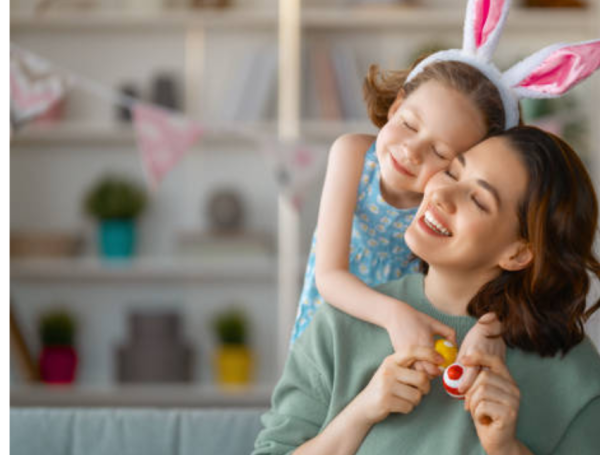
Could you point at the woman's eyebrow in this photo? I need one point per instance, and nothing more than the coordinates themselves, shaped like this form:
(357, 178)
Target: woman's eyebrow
(461, 159)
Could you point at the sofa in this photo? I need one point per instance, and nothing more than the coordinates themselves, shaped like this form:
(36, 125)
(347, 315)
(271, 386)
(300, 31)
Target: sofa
(123, 431)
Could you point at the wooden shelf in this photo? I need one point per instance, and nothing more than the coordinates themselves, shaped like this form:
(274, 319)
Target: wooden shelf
(118, 135)
(172, 395)
(124, 135)
(406, 18)
(131, 21)
(244, 269)
(400, 17)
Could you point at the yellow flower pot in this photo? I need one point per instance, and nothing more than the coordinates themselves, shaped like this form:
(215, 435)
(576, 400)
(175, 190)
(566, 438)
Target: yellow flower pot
(234, 364)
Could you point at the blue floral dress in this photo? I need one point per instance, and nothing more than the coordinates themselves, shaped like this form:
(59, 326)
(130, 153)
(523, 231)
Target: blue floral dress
(378, 252)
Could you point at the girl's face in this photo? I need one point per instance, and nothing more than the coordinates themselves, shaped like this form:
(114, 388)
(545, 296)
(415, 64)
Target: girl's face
(468, 217)
(424, 133)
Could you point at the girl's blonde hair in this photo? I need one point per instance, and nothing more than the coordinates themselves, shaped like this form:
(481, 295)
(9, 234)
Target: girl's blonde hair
(381, 88)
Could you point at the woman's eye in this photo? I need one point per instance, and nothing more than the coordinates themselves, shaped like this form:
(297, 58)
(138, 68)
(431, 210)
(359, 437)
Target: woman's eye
(410, 127)
(479, 205)
(450, 174)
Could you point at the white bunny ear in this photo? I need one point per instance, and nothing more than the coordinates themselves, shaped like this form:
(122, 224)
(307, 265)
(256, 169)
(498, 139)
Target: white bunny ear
(554, 70)
(484, 22)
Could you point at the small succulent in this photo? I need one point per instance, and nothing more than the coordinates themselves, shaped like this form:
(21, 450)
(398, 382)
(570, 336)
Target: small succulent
(231, 326)
(115, 197)
(57, 328)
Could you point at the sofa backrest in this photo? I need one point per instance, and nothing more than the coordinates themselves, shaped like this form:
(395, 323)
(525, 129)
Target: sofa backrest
(84, 431)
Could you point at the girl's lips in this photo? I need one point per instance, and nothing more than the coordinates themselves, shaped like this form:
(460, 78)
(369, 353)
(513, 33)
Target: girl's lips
(401, 168)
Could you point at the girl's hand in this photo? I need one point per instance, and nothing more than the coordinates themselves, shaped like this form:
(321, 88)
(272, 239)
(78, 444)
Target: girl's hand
(395, 386)
(493, 402)
(477, 341)
(407, 326)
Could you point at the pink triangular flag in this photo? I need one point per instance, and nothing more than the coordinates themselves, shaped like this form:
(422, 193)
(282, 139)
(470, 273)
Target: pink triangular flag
(34, 87)
(163, 138)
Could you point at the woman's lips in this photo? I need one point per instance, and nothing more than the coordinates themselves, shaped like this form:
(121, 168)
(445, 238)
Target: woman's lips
(401, 168)
(432, 225)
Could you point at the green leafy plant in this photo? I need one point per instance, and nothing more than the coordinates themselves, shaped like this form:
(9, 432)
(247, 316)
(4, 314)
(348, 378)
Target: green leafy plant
(115, 197)
(231, 326)
(57, 328)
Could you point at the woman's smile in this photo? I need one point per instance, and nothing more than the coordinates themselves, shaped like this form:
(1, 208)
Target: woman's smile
(433, 225)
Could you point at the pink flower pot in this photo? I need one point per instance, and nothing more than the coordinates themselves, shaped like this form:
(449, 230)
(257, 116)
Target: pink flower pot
(58, 364)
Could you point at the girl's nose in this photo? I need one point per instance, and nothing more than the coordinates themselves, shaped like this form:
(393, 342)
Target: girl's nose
(413, 152)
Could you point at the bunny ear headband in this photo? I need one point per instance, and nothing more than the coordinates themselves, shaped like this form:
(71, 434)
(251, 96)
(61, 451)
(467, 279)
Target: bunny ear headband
(549, 73)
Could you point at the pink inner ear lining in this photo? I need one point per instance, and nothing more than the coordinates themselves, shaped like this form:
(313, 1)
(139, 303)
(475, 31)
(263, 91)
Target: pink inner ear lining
(487, 17)
(563, 69)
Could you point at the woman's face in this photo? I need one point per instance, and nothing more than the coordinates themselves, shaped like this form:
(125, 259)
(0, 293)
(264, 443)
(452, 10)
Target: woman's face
(424, 133)
(468, 217)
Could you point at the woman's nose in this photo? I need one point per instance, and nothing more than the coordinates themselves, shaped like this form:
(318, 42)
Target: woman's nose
(444, 198)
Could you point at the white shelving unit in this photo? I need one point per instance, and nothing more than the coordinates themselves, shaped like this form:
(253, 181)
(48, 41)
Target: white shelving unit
(294, 25)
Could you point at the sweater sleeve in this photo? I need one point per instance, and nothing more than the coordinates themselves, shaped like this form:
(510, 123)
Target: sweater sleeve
(298, 407)
(582, 436)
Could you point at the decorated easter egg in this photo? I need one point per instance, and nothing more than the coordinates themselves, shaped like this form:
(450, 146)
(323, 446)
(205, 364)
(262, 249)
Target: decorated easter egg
(447, 350)
(453, 377)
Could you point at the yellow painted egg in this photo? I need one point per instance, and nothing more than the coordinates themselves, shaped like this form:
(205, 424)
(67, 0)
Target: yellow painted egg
(447, 350)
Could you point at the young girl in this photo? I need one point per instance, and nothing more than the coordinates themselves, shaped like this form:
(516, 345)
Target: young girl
(428, 115)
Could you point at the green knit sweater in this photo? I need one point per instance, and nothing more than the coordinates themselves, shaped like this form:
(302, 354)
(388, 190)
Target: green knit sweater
(338, 354)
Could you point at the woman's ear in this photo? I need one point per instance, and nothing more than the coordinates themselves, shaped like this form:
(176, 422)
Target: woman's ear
(396, 104)
(518, 257)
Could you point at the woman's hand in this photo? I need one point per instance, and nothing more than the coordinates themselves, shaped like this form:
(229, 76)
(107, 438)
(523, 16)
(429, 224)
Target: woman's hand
(395, 386)
(477, 341)
(407, 326)
(493, 401)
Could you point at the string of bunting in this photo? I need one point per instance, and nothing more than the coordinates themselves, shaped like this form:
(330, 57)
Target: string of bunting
(163, 136)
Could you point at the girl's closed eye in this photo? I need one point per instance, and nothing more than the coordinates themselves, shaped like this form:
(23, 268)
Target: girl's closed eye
(437, 153)
(409, 126)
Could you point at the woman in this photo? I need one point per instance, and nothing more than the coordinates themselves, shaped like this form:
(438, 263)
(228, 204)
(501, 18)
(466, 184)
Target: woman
(508, 229)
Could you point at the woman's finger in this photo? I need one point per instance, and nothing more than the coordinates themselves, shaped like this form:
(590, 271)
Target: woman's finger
(488, 412)
(413, 378)
(493, 362)
(492, 393)
(468, 378)
(487, 378)
(407, 393)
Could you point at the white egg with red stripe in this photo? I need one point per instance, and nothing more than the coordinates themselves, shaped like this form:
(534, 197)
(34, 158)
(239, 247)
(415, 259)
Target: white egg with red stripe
(453, 377)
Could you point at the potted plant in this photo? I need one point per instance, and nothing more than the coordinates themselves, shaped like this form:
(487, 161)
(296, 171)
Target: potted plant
(234, 361)
(58, 360)
(116, 202)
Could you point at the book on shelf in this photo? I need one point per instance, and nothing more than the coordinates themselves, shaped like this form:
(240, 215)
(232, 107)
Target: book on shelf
(326, 84)
(337, 83)
(252, 88)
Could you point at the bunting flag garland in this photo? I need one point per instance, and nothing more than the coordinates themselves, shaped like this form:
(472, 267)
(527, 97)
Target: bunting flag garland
(295, 166)
(34, 87)
(163, 138)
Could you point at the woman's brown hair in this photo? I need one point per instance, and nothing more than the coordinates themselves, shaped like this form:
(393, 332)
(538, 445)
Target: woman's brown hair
(543, 307)
(381, 88)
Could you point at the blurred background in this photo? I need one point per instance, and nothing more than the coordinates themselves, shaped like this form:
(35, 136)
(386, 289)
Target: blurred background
(156, 280)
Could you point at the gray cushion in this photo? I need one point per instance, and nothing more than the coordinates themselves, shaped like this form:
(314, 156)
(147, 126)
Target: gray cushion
(79, 431)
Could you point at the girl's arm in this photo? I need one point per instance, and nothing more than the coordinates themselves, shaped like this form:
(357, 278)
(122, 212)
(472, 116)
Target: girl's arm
(335, 282)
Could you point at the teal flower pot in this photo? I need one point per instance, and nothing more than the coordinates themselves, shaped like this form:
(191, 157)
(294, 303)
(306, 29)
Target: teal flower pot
(117, 238)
